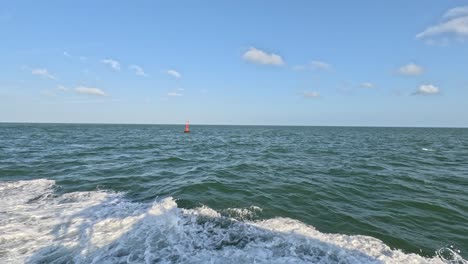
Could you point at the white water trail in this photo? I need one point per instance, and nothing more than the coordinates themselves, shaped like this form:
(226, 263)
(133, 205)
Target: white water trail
(37, 226)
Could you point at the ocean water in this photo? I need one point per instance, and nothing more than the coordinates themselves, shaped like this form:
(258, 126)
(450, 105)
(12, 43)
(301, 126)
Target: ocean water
(232, 194)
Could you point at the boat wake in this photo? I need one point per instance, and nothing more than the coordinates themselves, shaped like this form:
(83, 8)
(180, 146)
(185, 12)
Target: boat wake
(39, 226)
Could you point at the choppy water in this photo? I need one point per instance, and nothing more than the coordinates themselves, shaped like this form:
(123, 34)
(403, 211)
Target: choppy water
(232, 194)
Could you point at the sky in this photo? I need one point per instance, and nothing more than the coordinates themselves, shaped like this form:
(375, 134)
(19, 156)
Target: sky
(316, 63)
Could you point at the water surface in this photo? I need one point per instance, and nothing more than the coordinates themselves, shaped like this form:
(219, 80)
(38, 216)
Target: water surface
(239, 193)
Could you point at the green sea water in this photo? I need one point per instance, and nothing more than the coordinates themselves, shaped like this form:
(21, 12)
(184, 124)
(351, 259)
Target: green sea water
(405, 187)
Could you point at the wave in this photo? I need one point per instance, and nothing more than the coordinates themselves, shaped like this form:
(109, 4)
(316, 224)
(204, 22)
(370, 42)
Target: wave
(39, 226)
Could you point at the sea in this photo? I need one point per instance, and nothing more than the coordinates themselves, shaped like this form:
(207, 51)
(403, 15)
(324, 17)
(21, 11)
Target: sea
(92, 193)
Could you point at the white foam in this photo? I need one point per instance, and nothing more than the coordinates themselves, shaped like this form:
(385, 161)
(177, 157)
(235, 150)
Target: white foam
(37, 226)
(426, 149)
(243, 213)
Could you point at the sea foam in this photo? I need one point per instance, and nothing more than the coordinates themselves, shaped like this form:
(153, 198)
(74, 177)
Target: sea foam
(38, 226)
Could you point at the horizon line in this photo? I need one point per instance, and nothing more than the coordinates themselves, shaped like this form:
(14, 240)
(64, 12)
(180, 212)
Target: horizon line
(192, 124)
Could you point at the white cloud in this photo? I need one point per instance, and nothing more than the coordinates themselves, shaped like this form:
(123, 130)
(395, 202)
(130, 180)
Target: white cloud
(427, 89)
(138, 70)
(89, 91)
(457, 26)
(66, 54)
(367, 85)
(320, 65)
(456, 12)
(174, 94)
(80, 89)
(174, 74)
(411, 69)
(44, 73)
(454, 22)
(312, 94)
(112, 63)
(261, 57)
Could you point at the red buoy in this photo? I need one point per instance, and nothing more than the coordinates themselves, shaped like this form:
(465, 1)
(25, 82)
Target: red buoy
(187, 129)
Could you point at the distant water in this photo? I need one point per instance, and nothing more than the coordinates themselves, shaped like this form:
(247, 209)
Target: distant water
(232, 194)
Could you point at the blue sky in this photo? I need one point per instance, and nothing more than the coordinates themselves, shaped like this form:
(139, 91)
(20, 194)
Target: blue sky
(362, 63)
